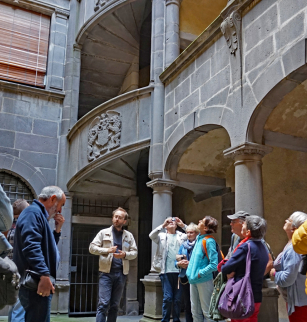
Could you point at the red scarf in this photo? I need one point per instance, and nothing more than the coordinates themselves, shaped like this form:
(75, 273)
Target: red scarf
(241, 242)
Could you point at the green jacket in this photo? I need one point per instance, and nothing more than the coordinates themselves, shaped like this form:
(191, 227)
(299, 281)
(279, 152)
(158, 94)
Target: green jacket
(219, 286)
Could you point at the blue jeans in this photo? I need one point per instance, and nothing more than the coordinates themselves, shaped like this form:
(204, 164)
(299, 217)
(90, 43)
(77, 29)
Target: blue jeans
(37, 308)
(16, 313)
(111, 286)
(171, 297)
(200, 300)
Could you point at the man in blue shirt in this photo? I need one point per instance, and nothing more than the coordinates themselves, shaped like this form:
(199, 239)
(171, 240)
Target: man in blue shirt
(35, 250)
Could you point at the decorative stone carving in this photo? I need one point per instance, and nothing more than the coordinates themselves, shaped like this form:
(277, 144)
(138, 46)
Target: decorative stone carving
(99, 4)
(248, 148)
(104, 134)
(231, 29)
(164, 184)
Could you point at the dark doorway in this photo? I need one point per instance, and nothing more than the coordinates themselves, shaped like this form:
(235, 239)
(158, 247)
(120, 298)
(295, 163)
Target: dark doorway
(83, 272)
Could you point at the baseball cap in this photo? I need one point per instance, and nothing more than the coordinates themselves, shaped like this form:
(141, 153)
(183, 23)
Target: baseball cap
(239, 215)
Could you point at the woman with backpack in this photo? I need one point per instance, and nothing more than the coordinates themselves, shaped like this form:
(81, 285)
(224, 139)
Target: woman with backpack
(182, 261)
(253, 230)
(200, 270)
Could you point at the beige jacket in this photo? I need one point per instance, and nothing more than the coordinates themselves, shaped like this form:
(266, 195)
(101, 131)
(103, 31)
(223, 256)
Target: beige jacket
(159, 236)
(104, 240)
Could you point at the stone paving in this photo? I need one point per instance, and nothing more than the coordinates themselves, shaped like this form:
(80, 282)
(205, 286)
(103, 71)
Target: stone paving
(65, 318)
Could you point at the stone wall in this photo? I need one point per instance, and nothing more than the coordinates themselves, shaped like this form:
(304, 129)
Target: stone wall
(29, 127)
(208, 89)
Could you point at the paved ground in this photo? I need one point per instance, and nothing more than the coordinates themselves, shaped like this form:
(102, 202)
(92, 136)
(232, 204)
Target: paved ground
(65, 318)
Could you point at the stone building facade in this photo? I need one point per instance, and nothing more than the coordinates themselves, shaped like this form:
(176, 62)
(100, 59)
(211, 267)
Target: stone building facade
(201, 104)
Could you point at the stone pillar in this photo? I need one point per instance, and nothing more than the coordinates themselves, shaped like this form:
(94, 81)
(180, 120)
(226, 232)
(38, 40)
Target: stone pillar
(172, 41)
(132, 304)
(60, 300)
(157, 108)
(162, 208)
(248, 176)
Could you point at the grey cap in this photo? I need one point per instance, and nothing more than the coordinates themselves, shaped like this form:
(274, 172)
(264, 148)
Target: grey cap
(239, 215)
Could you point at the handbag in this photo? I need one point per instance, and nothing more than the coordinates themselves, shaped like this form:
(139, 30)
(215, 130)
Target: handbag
(9, 282)
(237, 300)
(31, 279)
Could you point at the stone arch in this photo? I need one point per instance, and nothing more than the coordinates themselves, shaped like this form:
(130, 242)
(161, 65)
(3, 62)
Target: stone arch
(191, 129)
(94, 20)
(23, 170)
(296, 73)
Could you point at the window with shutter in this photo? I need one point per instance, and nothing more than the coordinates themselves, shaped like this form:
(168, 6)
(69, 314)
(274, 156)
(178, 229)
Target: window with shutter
(24, 38)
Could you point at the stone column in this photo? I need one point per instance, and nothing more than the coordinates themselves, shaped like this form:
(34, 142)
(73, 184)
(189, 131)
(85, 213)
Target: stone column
(157, 108)
(172, 41)
(248, 176)
(69, 118)
(162, 208)
(60, 300)
(132, 304)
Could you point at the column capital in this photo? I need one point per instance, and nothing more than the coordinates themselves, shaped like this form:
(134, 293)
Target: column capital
(161, 184)
(248, 148)
(176, 2)
(68, 194)
(77, 47)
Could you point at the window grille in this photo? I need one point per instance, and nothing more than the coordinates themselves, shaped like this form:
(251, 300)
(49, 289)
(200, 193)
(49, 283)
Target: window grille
(98, 206)
(15, 188)
(24, 37)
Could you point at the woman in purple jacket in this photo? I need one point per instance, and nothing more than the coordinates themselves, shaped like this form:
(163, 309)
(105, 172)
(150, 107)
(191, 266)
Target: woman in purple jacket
(253, 229)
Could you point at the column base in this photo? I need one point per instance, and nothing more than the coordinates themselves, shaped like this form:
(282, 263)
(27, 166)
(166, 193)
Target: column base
(60, 299)
(153, 298)
(269, 306)
(132, 307)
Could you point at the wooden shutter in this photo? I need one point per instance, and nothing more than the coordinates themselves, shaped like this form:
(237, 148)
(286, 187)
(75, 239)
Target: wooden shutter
(24, 37)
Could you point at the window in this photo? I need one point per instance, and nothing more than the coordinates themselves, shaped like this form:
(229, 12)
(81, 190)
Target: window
(24, 37)
(15, 188)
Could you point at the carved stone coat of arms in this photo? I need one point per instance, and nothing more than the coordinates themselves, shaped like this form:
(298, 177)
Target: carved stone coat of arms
(104, 134)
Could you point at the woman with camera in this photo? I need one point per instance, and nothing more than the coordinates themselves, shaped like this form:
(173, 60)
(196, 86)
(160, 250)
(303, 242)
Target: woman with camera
(286, 273)
(168, 241)
(182, 261)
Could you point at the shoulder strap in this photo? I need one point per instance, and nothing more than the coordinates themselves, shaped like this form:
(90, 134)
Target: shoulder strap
(204, 246)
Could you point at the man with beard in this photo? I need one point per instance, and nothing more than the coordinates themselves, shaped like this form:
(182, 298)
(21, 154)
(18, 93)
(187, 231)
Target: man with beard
(35, 250)
(115, 247)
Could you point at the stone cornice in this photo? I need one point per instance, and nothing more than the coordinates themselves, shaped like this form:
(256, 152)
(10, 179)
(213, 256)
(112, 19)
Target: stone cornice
(205, 40)
(248, 148)
(16, 87)
(39, 6)
(164, 183)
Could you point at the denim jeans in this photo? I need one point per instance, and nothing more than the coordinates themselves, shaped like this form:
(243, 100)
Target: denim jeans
(37, 308)
(111, 286)
(16, 313)
(187, 300)
(171, 297)
(200, 300)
